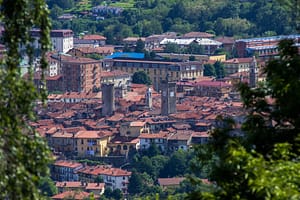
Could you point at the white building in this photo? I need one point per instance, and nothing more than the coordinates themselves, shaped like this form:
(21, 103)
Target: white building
(158, 139)
(62, 40)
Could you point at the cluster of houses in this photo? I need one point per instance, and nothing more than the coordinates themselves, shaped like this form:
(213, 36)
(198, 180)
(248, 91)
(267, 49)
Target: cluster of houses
(94, 111)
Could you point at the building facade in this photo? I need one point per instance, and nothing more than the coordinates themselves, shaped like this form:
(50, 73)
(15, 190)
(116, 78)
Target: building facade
(158, 70)
(80, 74)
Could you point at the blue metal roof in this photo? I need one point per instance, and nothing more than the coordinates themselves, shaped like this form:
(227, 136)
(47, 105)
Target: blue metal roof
(279, 37)
(127, 55)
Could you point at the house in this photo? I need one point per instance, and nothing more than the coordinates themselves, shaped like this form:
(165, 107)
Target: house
(95, 188)
(131, 41)
(120, 79)
(92, 51)
(158, 139)
(209, 45)
(212, 89)
(64, 170)
(179, 140)
(98, 40)
(167, 183)
(91, 143)
(122, 145)
(133, 128)
(115, 178)
(236, 65)
(61, 40)
(75, 195)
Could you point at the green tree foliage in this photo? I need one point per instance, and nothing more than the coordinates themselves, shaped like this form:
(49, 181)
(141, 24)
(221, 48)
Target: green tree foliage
(177, 165)
(219, 69)
(135, 185)
(265, 163)
(23, 153)
(172, 48)
(47, 186)
(231, 18)
(140, 46)
(209, 70)
(141, 77)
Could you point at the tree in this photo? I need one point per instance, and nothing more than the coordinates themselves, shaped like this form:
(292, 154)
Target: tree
(135, 185)
(47, 186)
(172, 48)
(209, 70)
(246, 167)
(141, 77)
(219, 69)
(24, 154)
(140, 46)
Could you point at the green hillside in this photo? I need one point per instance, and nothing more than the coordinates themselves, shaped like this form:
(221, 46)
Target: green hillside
(145, 17)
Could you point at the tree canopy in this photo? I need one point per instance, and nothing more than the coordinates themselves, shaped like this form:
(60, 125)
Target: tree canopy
(263, 162)
(23, 153)
(141, 77)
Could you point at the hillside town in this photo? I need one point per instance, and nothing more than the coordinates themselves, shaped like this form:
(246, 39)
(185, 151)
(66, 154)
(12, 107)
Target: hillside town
(96, 113)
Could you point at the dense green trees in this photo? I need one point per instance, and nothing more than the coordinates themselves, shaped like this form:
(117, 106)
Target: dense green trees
(141, 77)
(263, 164)
(231, 18)
(24, 154)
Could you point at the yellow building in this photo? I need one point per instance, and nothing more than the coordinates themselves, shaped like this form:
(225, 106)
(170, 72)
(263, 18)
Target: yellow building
(218, 57)
(133, 129)
(158, 70)
(91, 143)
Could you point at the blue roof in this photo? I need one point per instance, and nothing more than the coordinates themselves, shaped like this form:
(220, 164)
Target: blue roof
(279, 37)
(127, 55)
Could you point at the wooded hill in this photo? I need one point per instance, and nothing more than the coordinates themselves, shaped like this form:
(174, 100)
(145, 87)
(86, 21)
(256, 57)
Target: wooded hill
(238, 18)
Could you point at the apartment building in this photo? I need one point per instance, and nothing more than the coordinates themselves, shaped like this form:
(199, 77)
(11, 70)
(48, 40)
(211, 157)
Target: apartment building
(263, 47)
(80, 74)
(236, 65)
(158, 70)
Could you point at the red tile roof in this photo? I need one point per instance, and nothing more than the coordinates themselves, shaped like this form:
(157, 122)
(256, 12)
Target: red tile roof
(170, 181)
(91, 134)
(69, 164)
(93, 37)
(76, 195)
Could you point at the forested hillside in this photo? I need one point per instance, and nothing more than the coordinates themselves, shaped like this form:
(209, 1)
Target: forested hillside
(145, 17)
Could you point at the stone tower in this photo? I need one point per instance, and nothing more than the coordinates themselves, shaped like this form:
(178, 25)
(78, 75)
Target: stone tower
(168, 97)
(108, 99)
(148, 97)
(253, 73)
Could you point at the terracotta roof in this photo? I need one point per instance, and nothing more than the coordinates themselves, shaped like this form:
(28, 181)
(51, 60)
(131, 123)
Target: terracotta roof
(62, 135)
(114, 73)
(99, 50)
(95, 186)
(90, 134)
(162, 135)
(186, 135)
(93, 37)
(69, 164)
(104, 170)
(239, 60)
(137, 123)
(77, 60)
(170, 181)
(76, 195)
